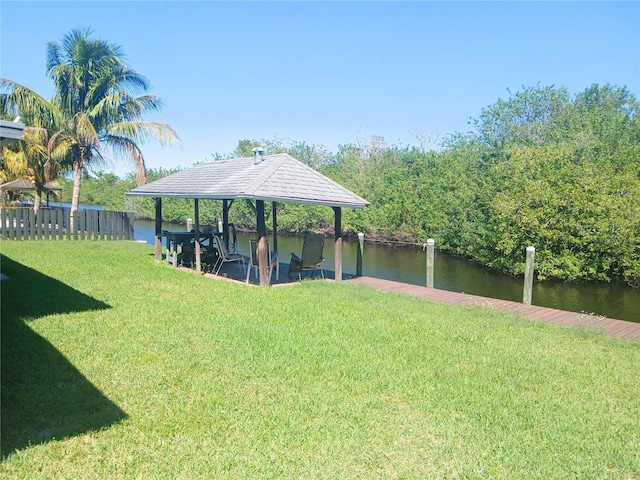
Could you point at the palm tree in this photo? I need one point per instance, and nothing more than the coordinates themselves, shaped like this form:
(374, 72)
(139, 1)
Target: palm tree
(39, 157)
(95, 96)
(45, 148)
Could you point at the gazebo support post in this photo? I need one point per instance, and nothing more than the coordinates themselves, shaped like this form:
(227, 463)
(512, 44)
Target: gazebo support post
(158, 240)
(196, 234)
(338, 248)
(261, 251)
(274, 216)
(225, 223)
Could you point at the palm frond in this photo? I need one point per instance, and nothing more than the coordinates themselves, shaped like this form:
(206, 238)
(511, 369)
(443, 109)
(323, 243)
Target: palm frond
(150, 103)
(14, 163)
(35, 110)
(53, 57)
(131, 153)
(122, 107)
(132, 81)
(60, 147)
(85, 131)
(106, 109)
(141, 132)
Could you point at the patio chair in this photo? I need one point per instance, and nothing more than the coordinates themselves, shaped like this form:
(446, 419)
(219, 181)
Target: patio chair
(311, 258)
(272, 258)
(187, 256)
(224, 256)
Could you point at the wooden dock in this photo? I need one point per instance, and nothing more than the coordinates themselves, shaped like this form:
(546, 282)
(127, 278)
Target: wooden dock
(616, 328)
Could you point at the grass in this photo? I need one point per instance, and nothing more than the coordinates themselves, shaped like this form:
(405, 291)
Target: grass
(114, 366)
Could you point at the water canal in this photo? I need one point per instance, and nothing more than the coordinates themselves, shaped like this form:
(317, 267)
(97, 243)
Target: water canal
(408, 264)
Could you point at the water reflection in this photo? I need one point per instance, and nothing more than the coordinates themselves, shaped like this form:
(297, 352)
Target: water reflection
(408, 264)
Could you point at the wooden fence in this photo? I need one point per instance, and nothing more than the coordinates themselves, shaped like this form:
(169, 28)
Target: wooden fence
(54, 224)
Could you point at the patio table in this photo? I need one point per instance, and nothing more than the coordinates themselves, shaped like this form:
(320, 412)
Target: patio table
(176, 241)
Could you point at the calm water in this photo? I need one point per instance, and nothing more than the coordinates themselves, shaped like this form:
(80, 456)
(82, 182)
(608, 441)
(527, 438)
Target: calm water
(408, 264)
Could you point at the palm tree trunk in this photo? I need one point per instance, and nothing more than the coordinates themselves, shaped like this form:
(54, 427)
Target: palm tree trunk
(75, 197)
(37, 201)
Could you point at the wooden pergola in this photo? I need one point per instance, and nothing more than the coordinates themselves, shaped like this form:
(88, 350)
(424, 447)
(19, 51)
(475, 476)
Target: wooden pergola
(275, 178)
(23, 185)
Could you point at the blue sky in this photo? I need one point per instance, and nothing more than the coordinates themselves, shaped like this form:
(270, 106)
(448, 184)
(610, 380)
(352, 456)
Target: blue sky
(331, 73)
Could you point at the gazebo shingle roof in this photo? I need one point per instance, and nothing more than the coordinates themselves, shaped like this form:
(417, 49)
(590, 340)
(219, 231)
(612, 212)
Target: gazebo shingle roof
(279, 178)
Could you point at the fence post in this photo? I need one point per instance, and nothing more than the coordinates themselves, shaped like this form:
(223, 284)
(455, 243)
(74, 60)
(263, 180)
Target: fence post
(59, 233)
(528, 276)
(47, 224)
(360, 254)
(76, 222)
(130, 227)
(82, 223)
(31, 216)
(36, 224)
(15, 225)
(430, 261)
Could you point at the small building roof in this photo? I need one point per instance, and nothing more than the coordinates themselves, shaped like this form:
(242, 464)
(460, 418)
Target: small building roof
(23, 185)
(11, 130)
(278, 178)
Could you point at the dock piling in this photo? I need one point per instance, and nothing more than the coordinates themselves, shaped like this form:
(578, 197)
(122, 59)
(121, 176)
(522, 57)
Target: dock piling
(360, 254)
(430, 261)
(528, 276)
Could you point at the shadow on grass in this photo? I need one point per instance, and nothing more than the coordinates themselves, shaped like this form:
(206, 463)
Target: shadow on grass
(44, 397)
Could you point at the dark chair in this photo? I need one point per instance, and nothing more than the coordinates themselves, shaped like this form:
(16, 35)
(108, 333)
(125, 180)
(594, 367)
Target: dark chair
(224, 256)
(311, 258)
(187, 255)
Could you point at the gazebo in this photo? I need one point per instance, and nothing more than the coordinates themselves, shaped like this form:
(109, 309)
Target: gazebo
(22, 185)
(275, 178)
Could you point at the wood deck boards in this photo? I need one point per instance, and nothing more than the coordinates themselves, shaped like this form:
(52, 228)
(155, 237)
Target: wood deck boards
(612, 326)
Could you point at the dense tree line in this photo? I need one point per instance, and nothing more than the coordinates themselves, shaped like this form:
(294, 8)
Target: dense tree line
(542, 167)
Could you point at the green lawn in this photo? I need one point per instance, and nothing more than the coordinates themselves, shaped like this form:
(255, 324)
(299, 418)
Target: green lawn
(114, 366)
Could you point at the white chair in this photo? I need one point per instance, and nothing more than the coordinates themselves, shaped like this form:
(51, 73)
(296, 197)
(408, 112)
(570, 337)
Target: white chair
(272, 258)
(224, 256)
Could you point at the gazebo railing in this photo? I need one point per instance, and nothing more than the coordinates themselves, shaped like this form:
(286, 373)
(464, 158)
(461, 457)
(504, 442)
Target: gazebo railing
(55, 224)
